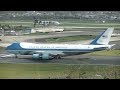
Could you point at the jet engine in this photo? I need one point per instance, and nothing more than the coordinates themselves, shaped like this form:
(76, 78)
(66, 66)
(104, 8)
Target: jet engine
(42, 56)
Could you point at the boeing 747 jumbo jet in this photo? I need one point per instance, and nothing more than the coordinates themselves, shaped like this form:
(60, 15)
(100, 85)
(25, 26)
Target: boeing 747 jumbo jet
(51, 51)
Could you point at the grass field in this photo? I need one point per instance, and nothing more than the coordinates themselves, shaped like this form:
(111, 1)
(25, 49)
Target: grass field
(57, 71)
(69, 38)
(106, 53)
(90, 25)
(64, 23)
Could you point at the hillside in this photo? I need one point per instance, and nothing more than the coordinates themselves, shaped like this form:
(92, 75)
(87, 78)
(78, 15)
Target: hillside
(98, 16)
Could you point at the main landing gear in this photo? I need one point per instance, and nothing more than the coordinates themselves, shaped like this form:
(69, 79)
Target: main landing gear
(57, 57)
(16, 56)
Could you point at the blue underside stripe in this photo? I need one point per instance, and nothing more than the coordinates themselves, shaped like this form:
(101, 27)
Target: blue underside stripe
(55, 49)
(52, 49)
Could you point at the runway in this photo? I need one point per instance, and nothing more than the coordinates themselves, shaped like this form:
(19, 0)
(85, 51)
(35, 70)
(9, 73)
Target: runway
(11, 39)
(79, 59)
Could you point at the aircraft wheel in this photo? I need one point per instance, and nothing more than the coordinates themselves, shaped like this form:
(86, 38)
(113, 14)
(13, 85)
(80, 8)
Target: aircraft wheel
(58, 57)
(16, 56)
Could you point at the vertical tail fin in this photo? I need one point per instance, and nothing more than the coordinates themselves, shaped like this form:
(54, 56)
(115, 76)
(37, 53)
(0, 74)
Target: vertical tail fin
(104, 38)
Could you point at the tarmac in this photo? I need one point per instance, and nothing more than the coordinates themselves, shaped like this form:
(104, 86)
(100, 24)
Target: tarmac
(79, 59)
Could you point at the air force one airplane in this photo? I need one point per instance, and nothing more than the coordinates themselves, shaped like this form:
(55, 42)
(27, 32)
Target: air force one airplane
(51, 51)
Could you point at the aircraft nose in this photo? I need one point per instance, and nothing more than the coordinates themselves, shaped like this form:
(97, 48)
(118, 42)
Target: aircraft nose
(8, 47)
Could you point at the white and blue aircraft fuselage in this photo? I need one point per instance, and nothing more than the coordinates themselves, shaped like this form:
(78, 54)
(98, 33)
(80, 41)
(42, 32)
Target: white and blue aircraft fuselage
(50, 51)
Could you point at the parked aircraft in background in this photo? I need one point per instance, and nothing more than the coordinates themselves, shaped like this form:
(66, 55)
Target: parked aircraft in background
(45, 23)
(51, 51)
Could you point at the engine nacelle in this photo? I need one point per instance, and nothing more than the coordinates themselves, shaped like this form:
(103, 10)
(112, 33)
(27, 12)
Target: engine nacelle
(42, 56)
